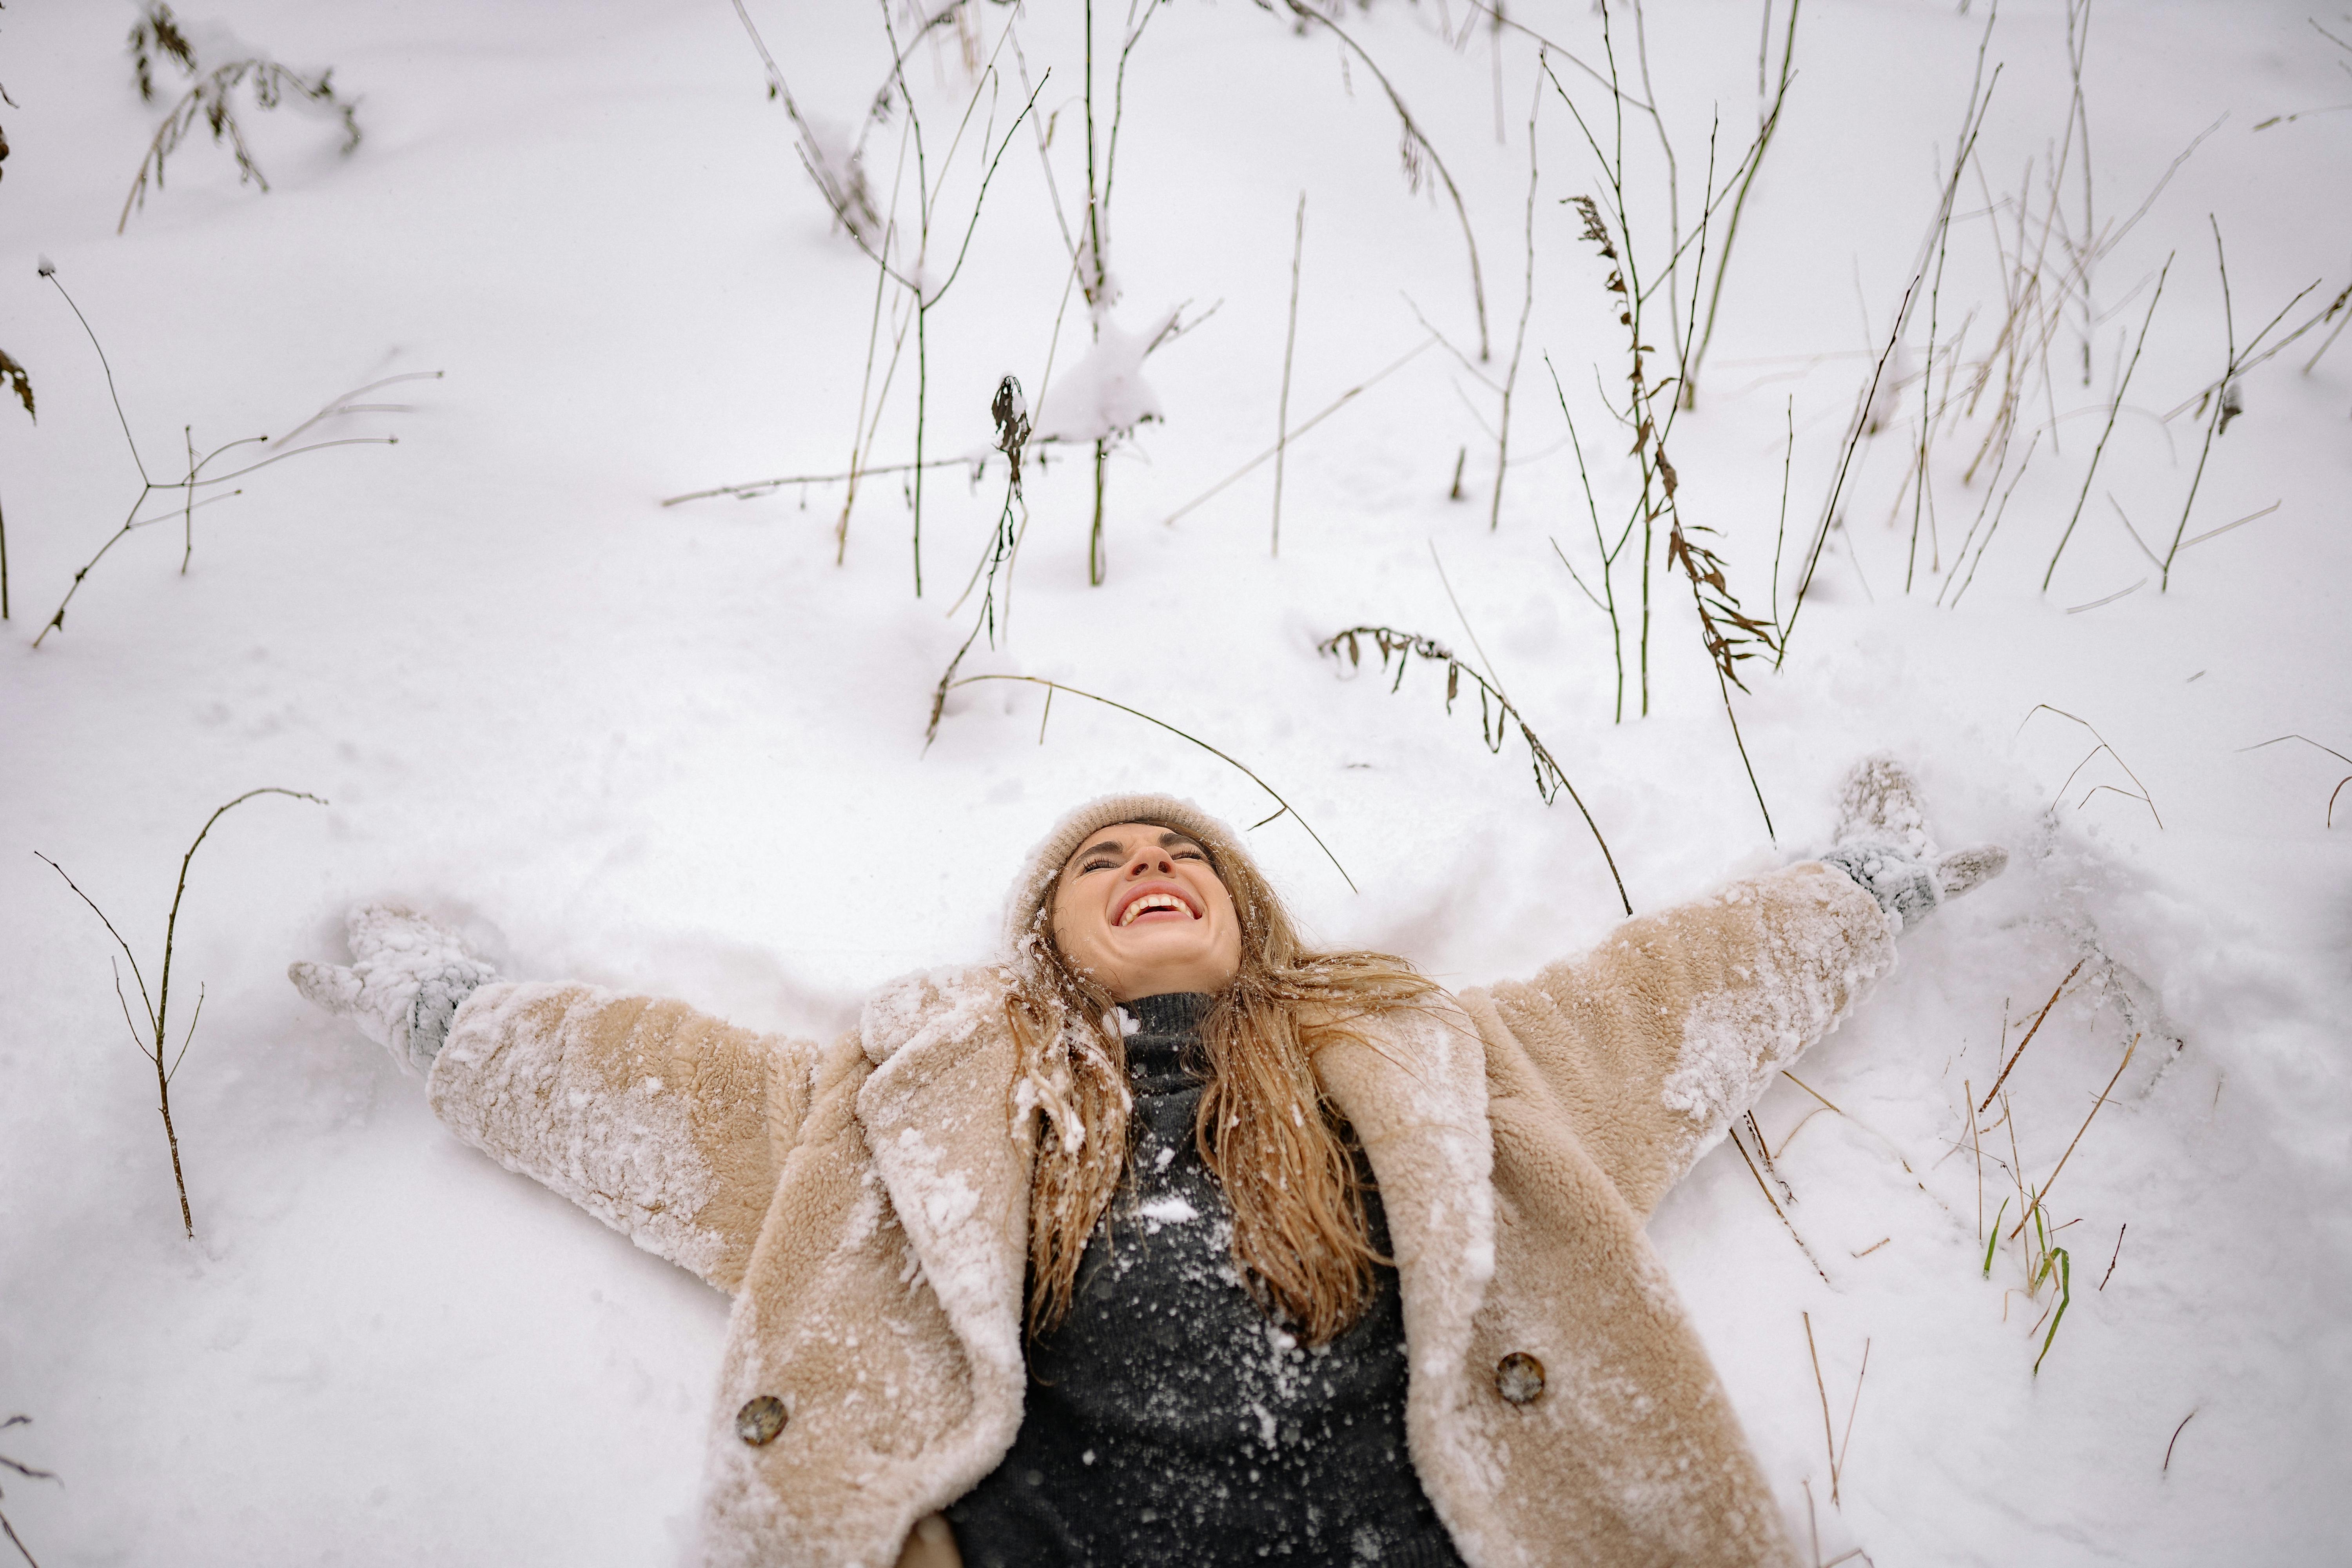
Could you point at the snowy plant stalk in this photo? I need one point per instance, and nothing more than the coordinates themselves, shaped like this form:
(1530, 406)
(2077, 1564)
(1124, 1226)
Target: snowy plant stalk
(1289, 343)
(158, 1009)
(1519, 340)
(1725, 631)
(1772, 123)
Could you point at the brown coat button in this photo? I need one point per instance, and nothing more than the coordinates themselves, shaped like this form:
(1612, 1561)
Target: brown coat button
(761, 1419)
(1519, 1378)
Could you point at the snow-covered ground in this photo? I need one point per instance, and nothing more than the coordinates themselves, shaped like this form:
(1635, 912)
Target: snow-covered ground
(683, 749)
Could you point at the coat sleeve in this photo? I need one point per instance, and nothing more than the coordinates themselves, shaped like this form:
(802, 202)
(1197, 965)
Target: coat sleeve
(668, 1124)
(1652, 1042)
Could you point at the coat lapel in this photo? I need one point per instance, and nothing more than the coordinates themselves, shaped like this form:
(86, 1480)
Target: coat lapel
(938, 1115)
(1416, 1097)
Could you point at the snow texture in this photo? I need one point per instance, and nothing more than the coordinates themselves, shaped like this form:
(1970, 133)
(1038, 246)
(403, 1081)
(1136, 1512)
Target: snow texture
(1104, 394)
(677, 749)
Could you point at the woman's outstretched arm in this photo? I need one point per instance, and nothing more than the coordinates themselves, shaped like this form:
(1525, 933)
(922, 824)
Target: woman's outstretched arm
(668, 1124)
(1649, 1045)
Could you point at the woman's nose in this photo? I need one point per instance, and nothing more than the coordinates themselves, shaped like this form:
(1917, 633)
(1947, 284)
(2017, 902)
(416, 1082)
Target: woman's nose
(1150, 861)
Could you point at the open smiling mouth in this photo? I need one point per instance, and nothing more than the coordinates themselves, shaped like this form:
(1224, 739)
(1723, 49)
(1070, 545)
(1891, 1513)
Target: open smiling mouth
(1156, 906)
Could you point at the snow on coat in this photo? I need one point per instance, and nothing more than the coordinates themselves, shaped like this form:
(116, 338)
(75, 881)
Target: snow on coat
(866, 1206)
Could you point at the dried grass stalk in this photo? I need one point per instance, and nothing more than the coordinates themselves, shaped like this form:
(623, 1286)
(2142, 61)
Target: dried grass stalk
(212, 101)
(1496, 716)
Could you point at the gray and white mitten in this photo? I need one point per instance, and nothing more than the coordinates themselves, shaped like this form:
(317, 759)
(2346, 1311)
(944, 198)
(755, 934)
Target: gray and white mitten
(1883, 845)
(406, 978)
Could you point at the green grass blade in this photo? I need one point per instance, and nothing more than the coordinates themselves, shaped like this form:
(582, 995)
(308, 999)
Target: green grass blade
(2065, 1299)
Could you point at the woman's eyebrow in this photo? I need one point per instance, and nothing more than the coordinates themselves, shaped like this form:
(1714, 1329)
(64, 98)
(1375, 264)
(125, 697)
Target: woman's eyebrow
(1168, 840)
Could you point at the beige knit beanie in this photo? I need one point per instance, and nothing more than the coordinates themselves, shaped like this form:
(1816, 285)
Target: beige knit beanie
(1046, 860)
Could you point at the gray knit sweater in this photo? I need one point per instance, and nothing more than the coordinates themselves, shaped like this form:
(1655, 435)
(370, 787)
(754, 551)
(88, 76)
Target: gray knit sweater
(1168, 1420)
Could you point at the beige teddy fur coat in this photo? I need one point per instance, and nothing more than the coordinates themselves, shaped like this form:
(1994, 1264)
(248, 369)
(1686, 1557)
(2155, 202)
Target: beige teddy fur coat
(866, 1206)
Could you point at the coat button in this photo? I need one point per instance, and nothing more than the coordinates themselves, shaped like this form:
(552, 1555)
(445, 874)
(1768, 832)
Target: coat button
(761, 1419)
(1519, 1378)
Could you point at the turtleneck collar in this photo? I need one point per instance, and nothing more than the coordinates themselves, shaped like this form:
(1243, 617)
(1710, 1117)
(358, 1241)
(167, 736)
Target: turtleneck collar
(1165, 1031)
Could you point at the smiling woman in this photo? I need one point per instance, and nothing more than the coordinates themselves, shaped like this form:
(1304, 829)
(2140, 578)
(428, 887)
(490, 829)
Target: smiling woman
(1143, 910)
(1315, 1259)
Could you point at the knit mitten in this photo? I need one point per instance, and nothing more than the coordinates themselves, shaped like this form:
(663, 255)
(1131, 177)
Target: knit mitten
(406, 981)
(1883, 844)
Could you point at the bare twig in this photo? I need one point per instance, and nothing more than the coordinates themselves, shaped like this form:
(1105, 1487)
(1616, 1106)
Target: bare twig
(1727, 632)
(195, 477)
(1829, 1437)
(1289, 341)
(2335, 308)
(1972, 119)
(1286, 809)
(1519, 338)
(1999, 513)
(845, 190)
(12, 378)
(212, 101)
(2176, 1437)
(2235, 522)
(1969, 1097)
(29, 1473)
(1010, 413)
(752, 489)
(1764, 1152)
(1845, 1439)
(1739, 203)
(2043, 1192)
(1608, 601)
(2109, 599)
(2114, 408)
(2237, 363)
(158, 1008)
(1496, 716)
(1336, 404)
(2329, 750)
(2061, 991)
(2143, 797)
(1734, 1134)
(1416, 146)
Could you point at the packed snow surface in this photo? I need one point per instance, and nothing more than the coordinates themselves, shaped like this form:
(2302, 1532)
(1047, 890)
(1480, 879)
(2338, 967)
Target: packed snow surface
(682, 749)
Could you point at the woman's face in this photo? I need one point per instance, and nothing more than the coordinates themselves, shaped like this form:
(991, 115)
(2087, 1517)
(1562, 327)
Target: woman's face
(1138, 908)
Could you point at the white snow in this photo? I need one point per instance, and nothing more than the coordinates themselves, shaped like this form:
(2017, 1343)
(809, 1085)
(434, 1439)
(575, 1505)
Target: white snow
(1171, 1209)
(1104, 393)
(681, 750)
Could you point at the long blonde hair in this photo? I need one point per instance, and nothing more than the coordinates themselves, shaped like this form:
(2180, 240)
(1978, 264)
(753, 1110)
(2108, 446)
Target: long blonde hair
(1273, 1143)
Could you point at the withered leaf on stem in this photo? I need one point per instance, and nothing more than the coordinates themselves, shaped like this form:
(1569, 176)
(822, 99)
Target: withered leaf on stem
(18, 382)
(1496, 716)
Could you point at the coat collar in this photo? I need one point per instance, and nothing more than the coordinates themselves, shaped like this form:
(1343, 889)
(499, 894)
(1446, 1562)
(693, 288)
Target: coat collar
(955, 1157)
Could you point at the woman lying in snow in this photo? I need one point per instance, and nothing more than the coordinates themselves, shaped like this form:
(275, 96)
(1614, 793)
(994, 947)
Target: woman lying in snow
(1169, 1240)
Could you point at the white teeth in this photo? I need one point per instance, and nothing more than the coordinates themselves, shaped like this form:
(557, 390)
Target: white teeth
(1149, 902)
